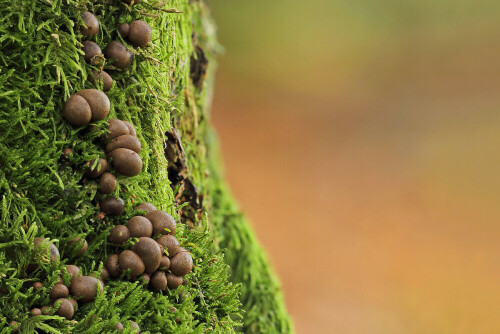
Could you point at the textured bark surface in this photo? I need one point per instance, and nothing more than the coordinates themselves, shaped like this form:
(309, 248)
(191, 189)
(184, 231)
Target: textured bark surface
(165, 93)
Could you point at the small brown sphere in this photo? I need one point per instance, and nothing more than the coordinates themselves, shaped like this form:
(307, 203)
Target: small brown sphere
(126, 162)
(159, 281)
(113, 266)
(35, 312)
(90, 50)
(73, 271)
(117, 51)
(140, 33)
(146, 278)
(45, 310)
(164, 263)
(118, 326)
(91, 24)
(99, 167)
(104, 274)
(98, 101)
(131, 128)
(173, 281)
(133, 323)
(37, 285)
(102, 78)
(16, 327)
(123, 29)
(163, 223)
(181, 264)
(65, 308)
(80, 244)
(59, 291)
(130, 260)
(85, 287)
(170, 243)
(140, 227)
(52, 249)
(145, 206)
(116, 128)
(113, 206)
(125, 141)
(77, 111)
(150, 253)
(74, 303)
(107, 183)
(67, 151)
(119, 235)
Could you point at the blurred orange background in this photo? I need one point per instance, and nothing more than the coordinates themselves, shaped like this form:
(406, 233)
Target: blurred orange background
(362, 138)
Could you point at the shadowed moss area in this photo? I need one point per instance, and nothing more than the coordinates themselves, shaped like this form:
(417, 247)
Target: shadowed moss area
(45, 194)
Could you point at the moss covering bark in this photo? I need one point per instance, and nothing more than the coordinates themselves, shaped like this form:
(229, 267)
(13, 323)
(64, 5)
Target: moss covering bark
(45, 194)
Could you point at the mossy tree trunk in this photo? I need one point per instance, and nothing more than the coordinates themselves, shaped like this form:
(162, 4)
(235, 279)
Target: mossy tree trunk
(165, 93)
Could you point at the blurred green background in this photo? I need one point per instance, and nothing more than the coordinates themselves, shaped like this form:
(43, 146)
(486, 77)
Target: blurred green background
(362, 137)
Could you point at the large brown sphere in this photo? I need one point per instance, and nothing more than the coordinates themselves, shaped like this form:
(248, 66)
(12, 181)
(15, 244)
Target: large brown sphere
(145, 206)
(173, 281)
(126, 162)
(113, 266)
(117, 51)
(107, 183)
(101, 78)
(98, 101)
(163, 223)
(130, 260)
(181, 264)
(77, 111)
(119, 235)
(99, 167)
(125, 141)
(90, 50)
(59, 291)
(150, 253)
(140, 227)
(159, 281)
(80, 244)
(41, 244)
(140, 33)
(86, 288)
(91, 24)
(113, 206)
(116, 128)
(170, 243)
(65, 308)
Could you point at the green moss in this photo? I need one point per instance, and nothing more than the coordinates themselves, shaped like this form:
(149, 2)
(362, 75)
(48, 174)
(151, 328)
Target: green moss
(44, 194)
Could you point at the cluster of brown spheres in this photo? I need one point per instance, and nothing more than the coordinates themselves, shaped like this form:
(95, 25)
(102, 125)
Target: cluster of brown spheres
(122, 146)
(156, 255)
(85, 106)
(147, 258)
(82, 289)
(138, 32)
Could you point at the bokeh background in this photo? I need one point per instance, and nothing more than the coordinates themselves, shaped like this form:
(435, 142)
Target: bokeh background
(362, 138)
